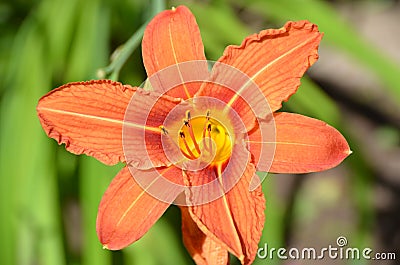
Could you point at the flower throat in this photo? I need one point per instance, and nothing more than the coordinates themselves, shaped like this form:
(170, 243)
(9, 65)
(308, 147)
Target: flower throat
(204, 138)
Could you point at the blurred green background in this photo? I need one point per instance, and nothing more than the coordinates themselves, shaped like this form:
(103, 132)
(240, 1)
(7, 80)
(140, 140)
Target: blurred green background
(49, 197)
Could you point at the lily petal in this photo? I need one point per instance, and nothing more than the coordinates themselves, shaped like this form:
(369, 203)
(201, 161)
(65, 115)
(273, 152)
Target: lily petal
(171, 38)
(87, 117)
(235, 220)
(302, 145)
(222, 89)
(127, 210)
(142, 134)
(274, 59)
(202, 248)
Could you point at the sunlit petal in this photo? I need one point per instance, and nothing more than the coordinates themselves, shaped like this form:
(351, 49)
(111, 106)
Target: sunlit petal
(173, 37)
(201, 247)
(142, 133)
(236, 219)
(127, 210)
(88, 117)
(302, 145)
(274, 60)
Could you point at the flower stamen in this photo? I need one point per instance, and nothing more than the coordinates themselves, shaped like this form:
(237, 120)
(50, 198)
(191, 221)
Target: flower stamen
(189, 154)
(204, 138)
(163, 130)
(205, 129)
(209, 137)
(208, 114)
(187, 123)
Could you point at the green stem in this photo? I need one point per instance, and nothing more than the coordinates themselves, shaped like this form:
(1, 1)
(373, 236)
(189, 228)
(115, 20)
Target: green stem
(122, 53)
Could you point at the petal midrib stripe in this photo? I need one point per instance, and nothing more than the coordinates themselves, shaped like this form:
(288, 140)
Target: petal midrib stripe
(176, 61)
(104, 119)
(253, 77)
(287, 143)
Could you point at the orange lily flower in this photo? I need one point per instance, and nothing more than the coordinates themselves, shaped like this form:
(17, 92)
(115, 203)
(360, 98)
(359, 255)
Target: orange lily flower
(198, 136)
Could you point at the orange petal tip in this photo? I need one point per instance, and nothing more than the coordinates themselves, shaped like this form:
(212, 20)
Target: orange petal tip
(349, 152)
(304, 145)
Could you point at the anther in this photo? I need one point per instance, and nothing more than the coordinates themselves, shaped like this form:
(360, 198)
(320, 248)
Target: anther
(208, 114)
(162, 128)
(188, 116)
(187, 123)
(181, 134)
(209, 138)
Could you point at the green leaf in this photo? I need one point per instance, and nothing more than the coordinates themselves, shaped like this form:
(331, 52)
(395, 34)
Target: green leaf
(94, 179)
(31, 231)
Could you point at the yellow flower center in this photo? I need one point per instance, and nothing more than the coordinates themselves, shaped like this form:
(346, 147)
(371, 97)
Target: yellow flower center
(205, 138)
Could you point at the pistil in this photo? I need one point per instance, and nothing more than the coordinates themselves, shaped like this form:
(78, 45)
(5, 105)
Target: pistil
(204, 138)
